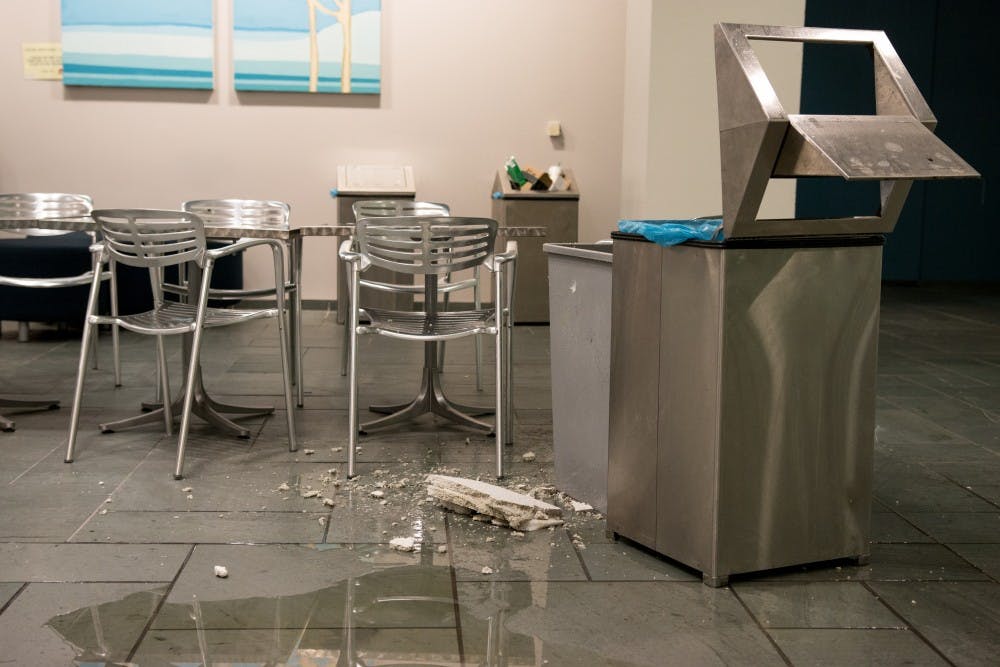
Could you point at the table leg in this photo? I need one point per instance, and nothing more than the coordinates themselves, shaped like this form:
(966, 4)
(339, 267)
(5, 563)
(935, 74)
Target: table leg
(430, 397)
(202, 404)
(296, 318)
(7, 424)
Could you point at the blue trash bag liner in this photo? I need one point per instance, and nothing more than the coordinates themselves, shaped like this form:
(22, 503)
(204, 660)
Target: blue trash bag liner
(672, 232)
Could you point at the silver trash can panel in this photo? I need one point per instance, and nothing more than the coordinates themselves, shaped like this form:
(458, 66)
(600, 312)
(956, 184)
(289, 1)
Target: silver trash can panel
(580, 340)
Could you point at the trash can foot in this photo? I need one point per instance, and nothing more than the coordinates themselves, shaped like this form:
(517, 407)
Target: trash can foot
(715, 582)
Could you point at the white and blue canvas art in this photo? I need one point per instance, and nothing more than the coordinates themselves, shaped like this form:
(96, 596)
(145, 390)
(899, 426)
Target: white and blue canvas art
(138, 44)
(310, 46)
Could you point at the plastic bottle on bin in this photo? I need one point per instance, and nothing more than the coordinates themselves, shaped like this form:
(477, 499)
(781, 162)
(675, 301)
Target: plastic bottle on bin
(514, 172)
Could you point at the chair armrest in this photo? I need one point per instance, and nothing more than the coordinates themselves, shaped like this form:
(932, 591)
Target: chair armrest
(348, 254)
(241, 245)
(501, 258)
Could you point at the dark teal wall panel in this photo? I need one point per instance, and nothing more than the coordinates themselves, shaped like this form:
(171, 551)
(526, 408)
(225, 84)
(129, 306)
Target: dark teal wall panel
(943, 232)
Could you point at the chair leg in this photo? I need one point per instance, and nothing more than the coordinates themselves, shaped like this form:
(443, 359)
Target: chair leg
(89, 329)
(93, 349)
(283, 342)
(115, 343)
(352, 392)
(478, 303)
(192, 370)
(296, 261)
(345, 353)
(499, 431)
(164, 377)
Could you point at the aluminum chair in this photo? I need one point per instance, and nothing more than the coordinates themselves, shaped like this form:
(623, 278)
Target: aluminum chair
(38, 206)
(381, 208)
(155, 239)
(431, 246)
(262, 215)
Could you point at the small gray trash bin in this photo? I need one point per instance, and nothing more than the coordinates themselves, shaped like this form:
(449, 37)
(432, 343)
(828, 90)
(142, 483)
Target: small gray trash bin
(580, 341)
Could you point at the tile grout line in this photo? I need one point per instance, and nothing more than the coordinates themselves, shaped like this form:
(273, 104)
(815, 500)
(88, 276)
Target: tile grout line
(112, 492)
(13, 597)
(579, 556)
(760, 626)
(159, 606)
(454, 590)
(36, 463)
(909, 626)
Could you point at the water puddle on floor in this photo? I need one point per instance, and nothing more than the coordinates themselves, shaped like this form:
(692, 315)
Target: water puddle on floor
(404, 615)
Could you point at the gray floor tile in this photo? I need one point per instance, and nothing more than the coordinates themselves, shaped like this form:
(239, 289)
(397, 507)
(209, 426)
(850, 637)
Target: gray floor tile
(889, 527)
(960, 619)
(833, 648)
(542, 555)
(291, 586)
(623, 562)
(984, 556)
(559, 622)
(203, 527)
(959, 527)
(90, 562)
(396, 646)
(889, 562)
(816, 605)
(58, 624)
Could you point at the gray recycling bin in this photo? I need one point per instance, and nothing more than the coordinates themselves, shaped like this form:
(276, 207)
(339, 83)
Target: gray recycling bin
(580, 343)
(558, 213)
(360, 182)
(742, 415)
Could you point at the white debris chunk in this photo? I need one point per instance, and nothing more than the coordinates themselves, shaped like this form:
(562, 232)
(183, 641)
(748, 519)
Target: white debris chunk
(310, 494)
(221, 572)
(442, 549)
(580, 507)
(102, 512)
(283, 486)
(187, 489)
(378, 494)
(308, 452)
(503, 506)
(190, 497)
(487, 569)
(336, 449)
(528, 456)
(403, 544)
(322, 521)
(328, 502)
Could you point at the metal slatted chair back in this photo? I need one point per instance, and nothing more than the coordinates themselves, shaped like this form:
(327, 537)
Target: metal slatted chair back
(237, 212)
(36, 205)
(426, 245)
(152, 238)
(396, 208)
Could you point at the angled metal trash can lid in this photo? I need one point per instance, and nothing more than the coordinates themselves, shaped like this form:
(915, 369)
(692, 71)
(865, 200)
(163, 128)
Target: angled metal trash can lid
(760, 141)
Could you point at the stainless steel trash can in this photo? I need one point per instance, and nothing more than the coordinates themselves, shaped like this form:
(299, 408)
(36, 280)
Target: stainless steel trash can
(356, 183)
(580, 348)
(742, 421)
(558, 213)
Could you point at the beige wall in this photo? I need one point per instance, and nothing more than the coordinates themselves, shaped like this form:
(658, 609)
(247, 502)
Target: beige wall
(465, 84)
(670, 164)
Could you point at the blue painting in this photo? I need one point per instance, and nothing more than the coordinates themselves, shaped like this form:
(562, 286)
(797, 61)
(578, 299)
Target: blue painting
(139, 44)
(309, 46)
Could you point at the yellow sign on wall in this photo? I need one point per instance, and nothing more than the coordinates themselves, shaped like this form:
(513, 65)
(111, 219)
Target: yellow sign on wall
(42, 60)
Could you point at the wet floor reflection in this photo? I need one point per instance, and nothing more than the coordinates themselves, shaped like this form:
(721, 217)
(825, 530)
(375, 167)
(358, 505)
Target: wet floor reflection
(405, 615)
